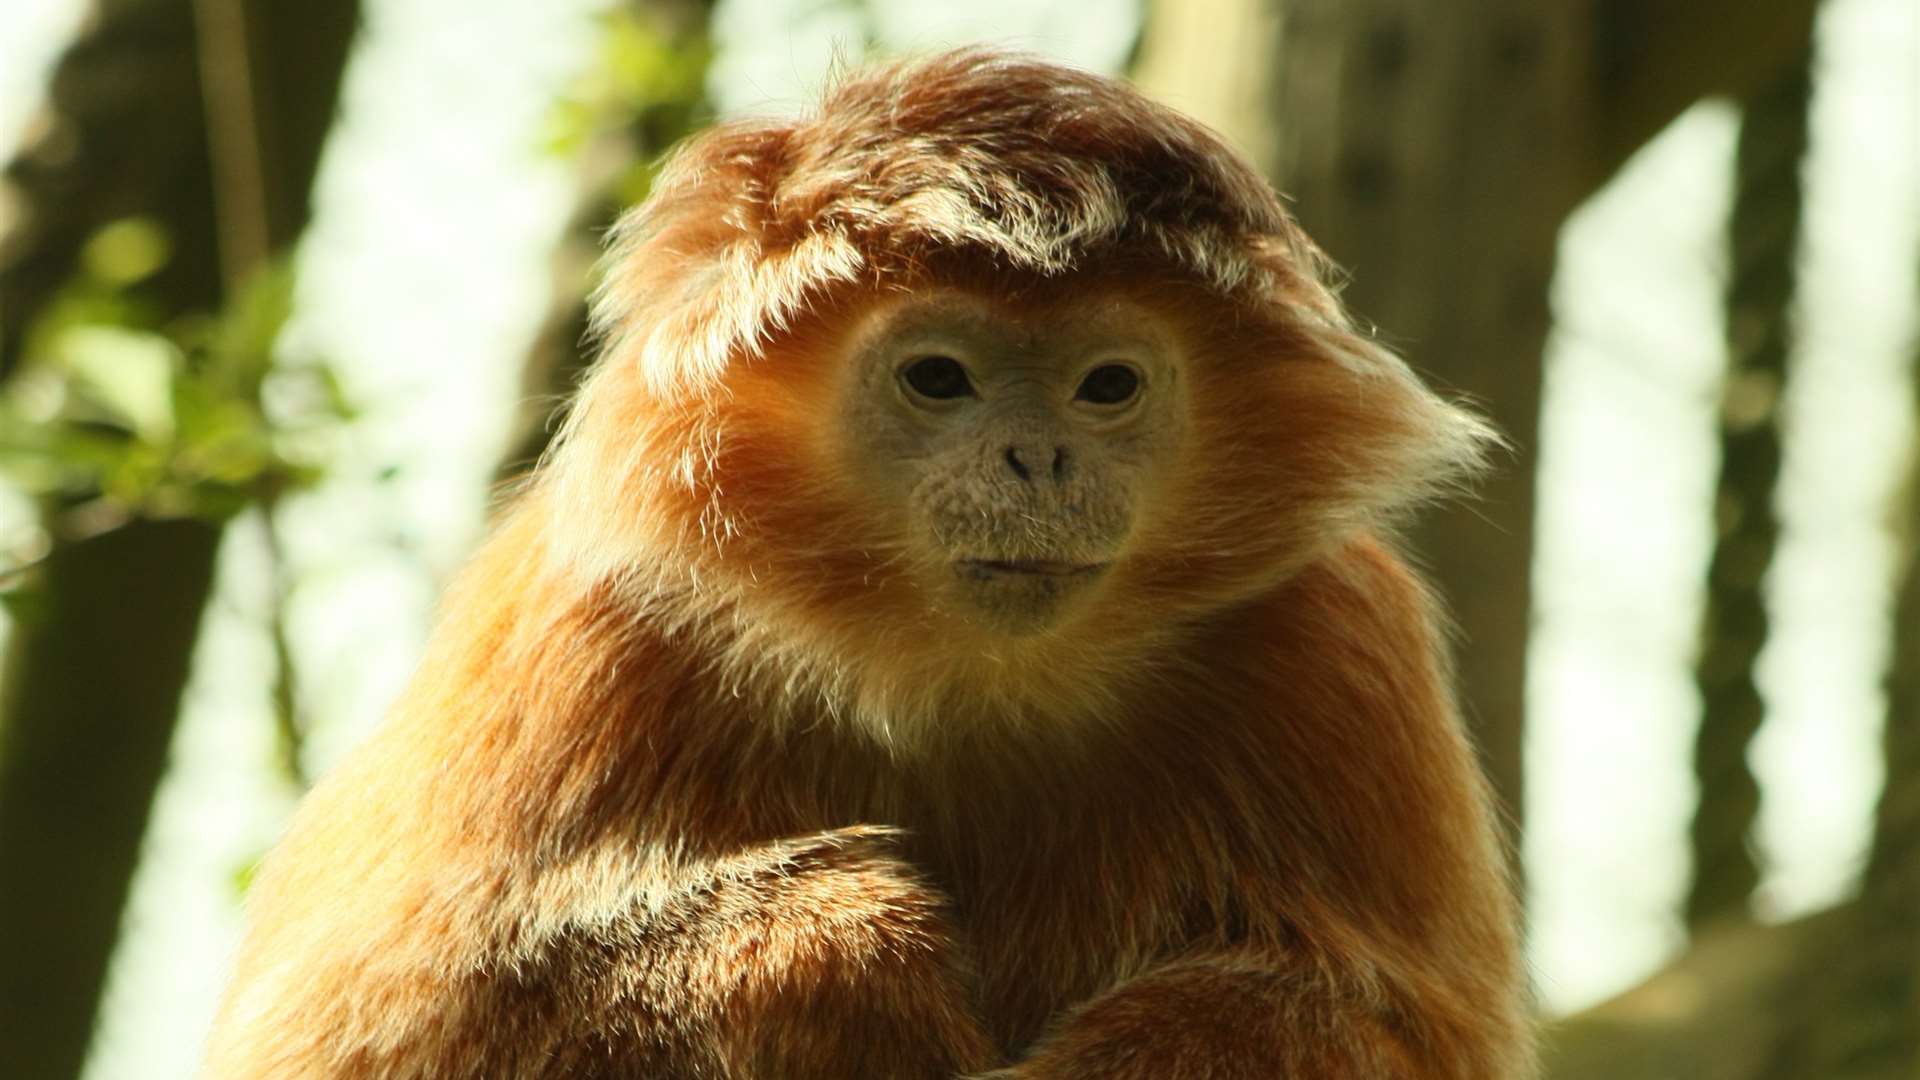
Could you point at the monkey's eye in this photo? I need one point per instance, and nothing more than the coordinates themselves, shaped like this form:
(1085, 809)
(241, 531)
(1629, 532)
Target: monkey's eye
(938, 377)
(1108, 384)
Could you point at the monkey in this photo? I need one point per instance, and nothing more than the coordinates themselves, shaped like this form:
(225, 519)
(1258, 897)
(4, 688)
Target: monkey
(960, 629)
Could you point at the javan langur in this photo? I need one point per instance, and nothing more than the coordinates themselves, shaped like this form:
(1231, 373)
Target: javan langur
(955, 634)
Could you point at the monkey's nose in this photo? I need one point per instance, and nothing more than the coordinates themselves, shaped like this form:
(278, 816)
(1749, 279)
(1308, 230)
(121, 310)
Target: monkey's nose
(1023, 460)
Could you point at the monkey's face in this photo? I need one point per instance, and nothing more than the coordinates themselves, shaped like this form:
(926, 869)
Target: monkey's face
(1013, 448)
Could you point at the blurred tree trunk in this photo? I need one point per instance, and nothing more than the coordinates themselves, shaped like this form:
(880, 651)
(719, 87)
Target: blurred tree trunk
(1434, 150)
(1892, 881)
(1891, 885)
(1763, 249)
(638, 117)
(1857, 1008)
(207, 119)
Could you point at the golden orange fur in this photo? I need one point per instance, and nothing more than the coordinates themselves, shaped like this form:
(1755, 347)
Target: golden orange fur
(695, 782)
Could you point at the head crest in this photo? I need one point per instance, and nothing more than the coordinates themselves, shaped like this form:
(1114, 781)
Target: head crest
(1034, 166)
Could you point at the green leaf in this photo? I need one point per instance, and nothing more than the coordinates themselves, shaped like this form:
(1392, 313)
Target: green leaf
(125, 374)
(239, 348)
(127, 251)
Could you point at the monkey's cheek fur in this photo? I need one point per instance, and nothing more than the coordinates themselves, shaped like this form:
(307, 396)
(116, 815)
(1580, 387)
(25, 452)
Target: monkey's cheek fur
(1020, 599)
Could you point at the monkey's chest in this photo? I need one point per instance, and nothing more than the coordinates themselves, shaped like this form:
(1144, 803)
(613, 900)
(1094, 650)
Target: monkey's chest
(1057, 919)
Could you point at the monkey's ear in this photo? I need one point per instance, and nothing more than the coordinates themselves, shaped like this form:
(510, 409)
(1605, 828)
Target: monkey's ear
(699, 273)
(1417, 445)
(1445, 445)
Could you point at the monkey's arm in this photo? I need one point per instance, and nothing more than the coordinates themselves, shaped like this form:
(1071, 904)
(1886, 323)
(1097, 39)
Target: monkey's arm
(814, 958)
(1229, 1015)
(825, 957)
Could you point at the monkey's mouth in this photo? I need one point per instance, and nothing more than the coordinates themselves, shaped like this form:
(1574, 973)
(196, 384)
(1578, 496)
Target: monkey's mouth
(1023, 596)
(1030, 567)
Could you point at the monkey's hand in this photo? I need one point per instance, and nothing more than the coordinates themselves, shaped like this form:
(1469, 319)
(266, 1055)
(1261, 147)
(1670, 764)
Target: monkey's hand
(824, 956)
(1227, 1016)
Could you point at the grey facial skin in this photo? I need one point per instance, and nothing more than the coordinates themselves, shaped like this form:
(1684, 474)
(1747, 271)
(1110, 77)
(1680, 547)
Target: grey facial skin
(1017, 446)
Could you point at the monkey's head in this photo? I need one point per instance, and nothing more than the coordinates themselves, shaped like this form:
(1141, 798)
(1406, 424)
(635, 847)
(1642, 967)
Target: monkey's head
(988, 365)
(1013, 445)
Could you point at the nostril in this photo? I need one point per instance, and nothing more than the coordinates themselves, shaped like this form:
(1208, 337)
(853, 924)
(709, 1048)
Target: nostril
(1019, 467)
(1059, 463)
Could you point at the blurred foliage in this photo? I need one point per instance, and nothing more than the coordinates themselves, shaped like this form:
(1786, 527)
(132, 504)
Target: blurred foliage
(648, 80)
(119, 413)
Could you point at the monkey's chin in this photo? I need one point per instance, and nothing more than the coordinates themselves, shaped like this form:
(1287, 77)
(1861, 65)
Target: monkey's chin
(1027, 597)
